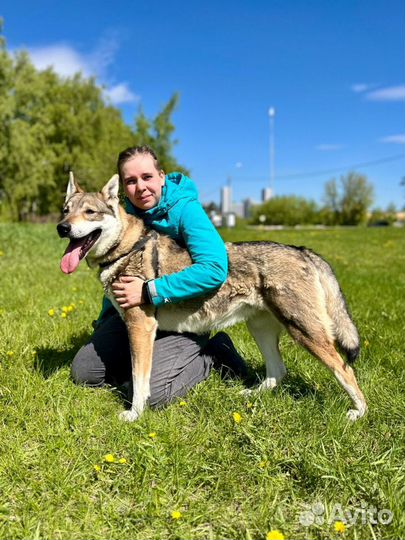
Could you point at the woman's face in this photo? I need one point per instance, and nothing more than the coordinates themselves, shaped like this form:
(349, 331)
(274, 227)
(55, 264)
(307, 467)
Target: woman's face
(142, 181)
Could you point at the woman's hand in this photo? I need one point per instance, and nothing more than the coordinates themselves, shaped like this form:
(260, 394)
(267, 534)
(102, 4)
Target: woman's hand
(128, 291)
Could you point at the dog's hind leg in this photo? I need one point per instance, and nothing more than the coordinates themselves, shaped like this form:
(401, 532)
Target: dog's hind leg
(324, 350)
(266, 329)
(141, 326)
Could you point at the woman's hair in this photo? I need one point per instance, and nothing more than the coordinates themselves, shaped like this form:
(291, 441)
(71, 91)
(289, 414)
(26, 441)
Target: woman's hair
(133, 151)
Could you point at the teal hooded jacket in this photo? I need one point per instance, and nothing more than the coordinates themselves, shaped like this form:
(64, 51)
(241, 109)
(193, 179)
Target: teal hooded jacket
(181, 216)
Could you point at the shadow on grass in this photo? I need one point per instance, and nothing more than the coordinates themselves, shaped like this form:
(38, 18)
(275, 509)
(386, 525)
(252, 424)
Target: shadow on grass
(48, 361)
(293, 383)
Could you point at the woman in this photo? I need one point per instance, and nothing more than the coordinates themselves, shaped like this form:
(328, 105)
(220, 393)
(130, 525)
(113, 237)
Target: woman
(168, 204)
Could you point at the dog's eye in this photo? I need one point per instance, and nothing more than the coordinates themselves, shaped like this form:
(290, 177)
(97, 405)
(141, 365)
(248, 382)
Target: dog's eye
(89, 211)
(65, 211)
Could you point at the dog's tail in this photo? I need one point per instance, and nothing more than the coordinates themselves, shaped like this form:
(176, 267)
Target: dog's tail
(343, 327)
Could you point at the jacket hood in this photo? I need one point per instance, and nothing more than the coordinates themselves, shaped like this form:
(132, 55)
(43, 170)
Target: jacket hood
(177, 187)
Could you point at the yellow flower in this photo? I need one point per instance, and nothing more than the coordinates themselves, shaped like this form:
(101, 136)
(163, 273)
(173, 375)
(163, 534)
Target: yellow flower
(152, 435)
(51, 312)
(65, 309)
(176, 514)
(263, 463)
(183, 403)
(122, 460)
(237, 417)
(366, 343)
(10, 353)
(274, 535)
(109, 458)
(97, 468)
(340, 527)
(63, 315)
(249, 405)
(70, 308)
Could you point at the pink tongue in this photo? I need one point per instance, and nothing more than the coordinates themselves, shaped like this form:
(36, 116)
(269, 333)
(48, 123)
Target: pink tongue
(71, 258)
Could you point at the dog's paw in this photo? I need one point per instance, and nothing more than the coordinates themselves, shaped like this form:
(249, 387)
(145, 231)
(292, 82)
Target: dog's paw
(353, 415)
(128, 416)
(247, 392)
(268, 384)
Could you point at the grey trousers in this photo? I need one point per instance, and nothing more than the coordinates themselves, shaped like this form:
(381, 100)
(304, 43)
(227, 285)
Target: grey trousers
(179, 362)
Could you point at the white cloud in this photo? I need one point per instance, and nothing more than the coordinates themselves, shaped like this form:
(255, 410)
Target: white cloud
(360, 87)
(66, 61)
(329, 147)
(62, 58)
(120, 93)
(396, 139)
(391, 93)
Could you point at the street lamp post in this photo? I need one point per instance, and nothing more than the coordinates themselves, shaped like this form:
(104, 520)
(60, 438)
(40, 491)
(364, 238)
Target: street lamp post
(272, 114)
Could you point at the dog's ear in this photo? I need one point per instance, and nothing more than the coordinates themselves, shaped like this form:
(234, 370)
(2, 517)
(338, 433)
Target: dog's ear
(110, 190)
(72, 187)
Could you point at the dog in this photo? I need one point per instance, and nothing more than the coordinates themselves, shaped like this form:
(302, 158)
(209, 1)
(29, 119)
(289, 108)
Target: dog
(270, 286)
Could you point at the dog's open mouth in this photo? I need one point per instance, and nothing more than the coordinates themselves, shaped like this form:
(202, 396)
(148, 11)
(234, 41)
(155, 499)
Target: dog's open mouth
(77, 250)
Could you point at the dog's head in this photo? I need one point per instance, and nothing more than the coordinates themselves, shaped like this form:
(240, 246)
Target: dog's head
(89, 220)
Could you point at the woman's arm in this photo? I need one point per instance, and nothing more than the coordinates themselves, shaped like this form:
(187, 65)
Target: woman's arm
(209, 267)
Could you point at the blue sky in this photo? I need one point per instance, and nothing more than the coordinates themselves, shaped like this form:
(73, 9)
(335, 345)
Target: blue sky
(334, 72)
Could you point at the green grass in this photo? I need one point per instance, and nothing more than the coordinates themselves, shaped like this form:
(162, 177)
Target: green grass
(292, 448)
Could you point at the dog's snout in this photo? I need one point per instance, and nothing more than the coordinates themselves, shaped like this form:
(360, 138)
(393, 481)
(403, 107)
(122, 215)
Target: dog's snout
(63, 229)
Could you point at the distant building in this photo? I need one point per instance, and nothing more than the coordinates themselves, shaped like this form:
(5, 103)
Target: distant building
(226, 200)
(248, 205)
(267, 194)
(238, 209)
(242, 209)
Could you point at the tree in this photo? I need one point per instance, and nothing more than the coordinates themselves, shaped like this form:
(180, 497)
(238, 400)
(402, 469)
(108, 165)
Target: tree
(331, 210)
(158, 133)
(287, 210)
(51, 124)
(357, 197)
(350, 204)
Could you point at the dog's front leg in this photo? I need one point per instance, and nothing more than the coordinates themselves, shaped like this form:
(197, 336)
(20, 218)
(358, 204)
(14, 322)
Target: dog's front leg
(141, 326)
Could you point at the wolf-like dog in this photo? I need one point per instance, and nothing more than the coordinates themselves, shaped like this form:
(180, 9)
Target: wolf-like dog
(271, 286)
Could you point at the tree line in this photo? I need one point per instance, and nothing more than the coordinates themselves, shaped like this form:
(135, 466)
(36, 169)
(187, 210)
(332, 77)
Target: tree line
(51, 124)
(345, 202)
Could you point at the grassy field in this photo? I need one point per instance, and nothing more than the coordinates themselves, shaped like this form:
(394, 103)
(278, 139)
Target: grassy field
(292, 464)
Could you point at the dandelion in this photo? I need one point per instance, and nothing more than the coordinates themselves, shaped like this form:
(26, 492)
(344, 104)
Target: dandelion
(366, 343)
(176, 514)
(109, 458)
(274, 535)
(70, 308)
(51, 312)
(152, 435)
(65, 309)
(63, 315)
(122, 460)
(183, 403)
(263, 463)
(340, 527)
(10, 353)
(237, 417)
(97, 468)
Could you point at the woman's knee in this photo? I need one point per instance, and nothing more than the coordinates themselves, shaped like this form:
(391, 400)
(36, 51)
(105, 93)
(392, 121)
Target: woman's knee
(86, 367)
